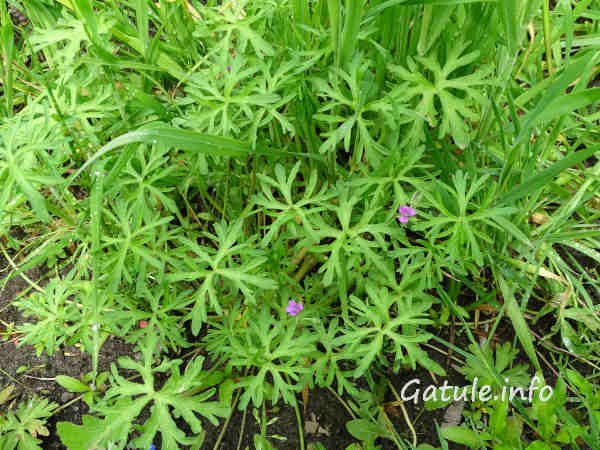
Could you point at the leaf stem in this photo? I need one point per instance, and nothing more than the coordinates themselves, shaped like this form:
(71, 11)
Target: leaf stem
(404, 413)
(548, 44)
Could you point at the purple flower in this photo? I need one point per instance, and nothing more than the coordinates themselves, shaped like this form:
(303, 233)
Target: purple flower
(405, 213)
(228, 68)
(293, 308)
(152, 447)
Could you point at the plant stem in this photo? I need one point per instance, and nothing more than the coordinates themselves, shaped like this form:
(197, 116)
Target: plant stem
(300, 428)
(547, 42)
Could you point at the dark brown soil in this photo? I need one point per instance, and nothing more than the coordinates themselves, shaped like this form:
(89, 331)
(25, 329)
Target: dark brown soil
(33, 375)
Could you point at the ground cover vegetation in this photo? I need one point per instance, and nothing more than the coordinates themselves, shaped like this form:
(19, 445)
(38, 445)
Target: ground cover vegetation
(267, 201)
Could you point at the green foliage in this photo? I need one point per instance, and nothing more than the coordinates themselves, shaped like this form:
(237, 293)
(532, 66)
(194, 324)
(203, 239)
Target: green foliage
(431, 83)
(176, 172)
(497, 365)
(183, 395)
(552, 419)
(233, 266)
(271, 347)
(354, 115)
(22, 428)
(465, 217)
(376, 325)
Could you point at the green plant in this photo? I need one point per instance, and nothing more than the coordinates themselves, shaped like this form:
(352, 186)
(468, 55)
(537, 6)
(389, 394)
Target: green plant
(20, 429)
(184, 394)
(431, 83)
(266, 197)
(553, 420)
(387, 322)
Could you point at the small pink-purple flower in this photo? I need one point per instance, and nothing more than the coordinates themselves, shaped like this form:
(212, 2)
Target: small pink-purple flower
(293, 308)
(405, 212)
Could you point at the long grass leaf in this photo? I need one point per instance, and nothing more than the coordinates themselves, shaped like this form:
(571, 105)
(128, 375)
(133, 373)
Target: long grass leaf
(175, 138)
(333, 9)
(37, 201)
(7, 37)
(555, 92)
(514, 313)
(189, 141)
(567, 103)
(544, 177)
(445, 2)
(353, 13)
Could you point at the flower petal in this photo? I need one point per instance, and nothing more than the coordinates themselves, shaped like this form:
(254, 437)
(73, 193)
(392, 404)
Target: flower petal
(407, 211)
(293, 307)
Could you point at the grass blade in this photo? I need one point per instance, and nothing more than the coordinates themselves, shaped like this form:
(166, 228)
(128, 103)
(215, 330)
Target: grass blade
(514, 313)
(567, 103)
(8, 54)
(353, 12)
(189, 141)
(333, 9)
(554, 93)
(173, 137)
(544, 177)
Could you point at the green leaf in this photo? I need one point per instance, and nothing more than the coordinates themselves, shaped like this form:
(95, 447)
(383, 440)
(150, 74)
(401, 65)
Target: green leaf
(353, 10)
(391, 3)
(544, 177)
(99, 433)
(441, 94)
(564, 104)
(554, 95)
(173, 138)
(86, 12)
(184, 140)
(427, 447)
(38, 203)
(515, 315)
(464, 436)
(538, 445)
(591, 321)
(6, 393)
(445, 2)
(365, 430)
(72, 384)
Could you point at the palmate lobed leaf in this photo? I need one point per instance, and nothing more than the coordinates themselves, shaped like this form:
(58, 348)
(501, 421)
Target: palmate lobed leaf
(98, 433)
(230, 265)
(23, 428)
(270, 344)
(125, 400)
(22, 161)
(354, 113)
(429, 81)
(386, 319)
